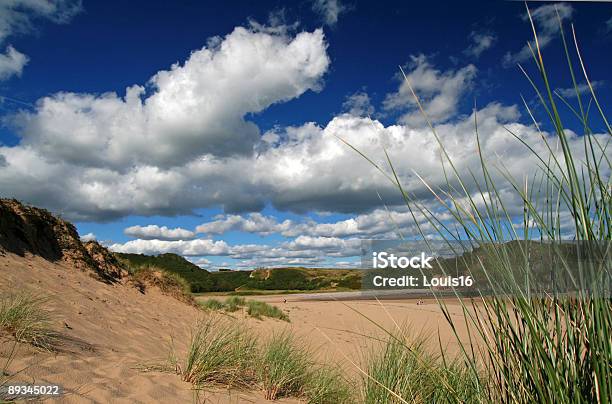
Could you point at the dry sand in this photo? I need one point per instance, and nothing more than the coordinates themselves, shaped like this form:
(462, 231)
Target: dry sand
(114, 330)
(344, 331)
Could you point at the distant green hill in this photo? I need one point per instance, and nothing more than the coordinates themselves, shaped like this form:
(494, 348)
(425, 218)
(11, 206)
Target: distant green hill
(294, 278)
(192, 273)
(298, 278)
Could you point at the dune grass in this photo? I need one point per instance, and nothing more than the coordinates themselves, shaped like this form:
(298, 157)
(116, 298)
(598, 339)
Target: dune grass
(287, 369)
(23, 316)
(328, 385)
(212, 304)
(258, 309)
(404, 370)
(284, 367)
(254, 308)
(535, 348)
(234, 303)
(220, 353)
(169, 283)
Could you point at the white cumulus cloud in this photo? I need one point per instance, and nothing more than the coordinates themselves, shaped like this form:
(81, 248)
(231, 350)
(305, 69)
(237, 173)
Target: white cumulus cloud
(181, 247)
(88, 237)
(254, 223)
(379, 223)
(12, 63)
(301, 168)
(308, 170)
(195, 108)
(439, 91)
(358, 104)
(152, 231)
(546, 20)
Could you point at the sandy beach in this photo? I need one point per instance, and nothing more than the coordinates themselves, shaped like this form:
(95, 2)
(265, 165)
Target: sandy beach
(114, 332)
(347, 327)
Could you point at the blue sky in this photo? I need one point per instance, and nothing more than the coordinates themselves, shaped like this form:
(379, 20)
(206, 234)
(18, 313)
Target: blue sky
(231, 157)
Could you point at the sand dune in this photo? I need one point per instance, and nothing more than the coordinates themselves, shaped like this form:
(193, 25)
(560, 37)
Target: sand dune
(113, 330)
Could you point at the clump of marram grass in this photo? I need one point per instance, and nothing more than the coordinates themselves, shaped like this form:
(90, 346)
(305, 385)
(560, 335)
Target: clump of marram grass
(223, 353)
(211, 304)
(22, 316)
(327, 385)
(258, 309)
(220, 353)
(548, 347)
(168, 283)
(234, 303)
(254, 308)
(287, 369)
(284, 367)
(404, 370)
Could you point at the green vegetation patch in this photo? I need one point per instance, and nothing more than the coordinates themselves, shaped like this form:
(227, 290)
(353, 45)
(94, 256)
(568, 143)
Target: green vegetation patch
(253, 308)
(402, 370)
(169, 283)
(258, 309)
(223, 353)
(219, 353)
(287, 369)
(23, 316)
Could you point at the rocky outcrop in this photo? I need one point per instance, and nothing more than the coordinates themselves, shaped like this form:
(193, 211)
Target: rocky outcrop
(26, 229)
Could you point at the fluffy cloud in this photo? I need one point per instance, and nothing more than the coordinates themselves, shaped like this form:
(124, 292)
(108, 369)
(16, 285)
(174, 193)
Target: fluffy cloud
(481, 41)
(582, 88)
(170, 149)
(88, 237)
(254, 223)
(86, 157)
(202, 262)
(329, 10)
(358, 104)
(379, 223)
(156, 232)
(332, 246)
(309, 169)
(547, 26)
(303, 247)
(196, 247)
(17, 16)
(195, 108)
(440, 92)
(11, 63)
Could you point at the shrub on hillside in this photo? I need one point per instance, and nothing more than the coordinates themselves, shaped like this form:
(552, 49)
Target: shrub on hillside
(168, 283)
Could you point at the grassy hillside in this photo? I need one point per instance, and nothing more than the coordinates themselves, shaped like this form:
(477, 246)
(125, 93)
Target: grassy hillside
(201, 280)
(279, 279)
(170, 262)
(303, 279)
